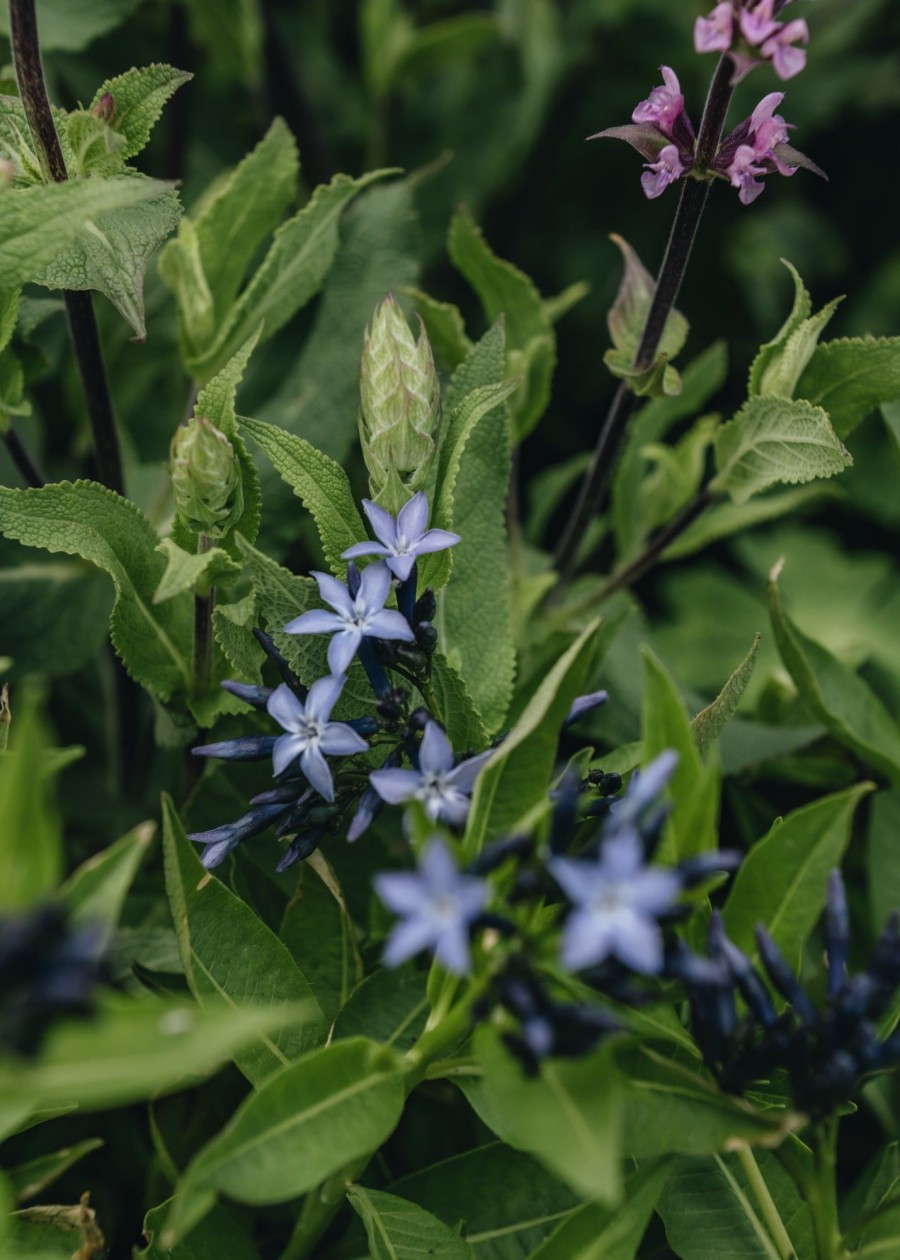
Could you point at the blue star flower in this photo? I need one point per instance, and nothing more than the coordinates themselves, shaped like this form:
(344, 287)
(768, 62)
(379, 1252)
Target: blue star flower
(443, 789)
(311, 736)
(402, 540)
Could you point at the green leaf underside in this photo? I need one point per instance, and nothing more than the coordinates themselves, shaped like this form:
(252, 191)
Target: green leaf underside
(709, 723)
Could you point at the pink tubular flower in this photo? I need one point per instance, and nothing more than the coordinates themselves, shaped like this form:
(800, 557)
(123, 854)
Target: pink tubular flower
(757, 23)
(744, 172)
(664, 105)
(659, 175)
(715, 32)
(778, 48)
(757, 147)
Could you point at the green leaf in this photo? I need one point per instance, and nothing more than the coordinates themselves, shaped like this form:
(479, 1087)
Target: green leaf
(677, 472)
(337, 1104)
(883, 856)
(29, 1179)
(594, 1232)
(783, 879)
(217, 1236)
(708, 724)
(628, 313)
(291, 273)
(835, 694)
(725, 519)
(398, 1230)
(55, 614)
(31, 852)
(41, 222)
(509, 1202)
(434, 46)
(139, 97)
(505, 290)
(185, 571)
(516, 778)
(692, 827)
(233, 626)
(851, 377)
(95, 891)
(463, 723)
(206, 264)
(318, 933)
(781, 373)
(389, 1006)
(132, 1050)
(88, 520)
(68, 27)
(711, 1213)
(772, 440)
(230, 955)
(770, 353)
(321, 485)
(671, 1109)
(109, 253)
(567, 1117)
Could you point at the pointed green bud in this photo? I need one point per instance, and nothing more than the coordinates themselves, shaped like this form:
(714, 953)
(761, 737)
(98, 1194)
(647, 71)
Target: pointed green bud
(206, 478)
(400, 408)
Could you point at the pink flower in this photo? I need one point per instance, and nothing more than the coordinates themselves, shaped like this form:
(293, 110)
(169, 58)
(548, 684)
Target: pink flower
(744, 173)
(664, 106)
(757, 23)
(786, 60)
(715, 32)
(659, 175)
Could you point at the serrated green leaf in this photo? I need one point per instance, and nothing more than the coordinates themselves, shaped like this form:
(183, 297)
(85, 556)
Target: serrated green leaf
(516, 778)
(781, 373)
(230, 956)
(31, 853)
(709, 723)
(628, 313)
(55, 615)
(233, 626)
(291, 273)
(39, 223)
(783, 880)
(505, 290)
(95, 892)
(772, 440)
(90, 146)
(692, 826)
(835, 694)
(9, 314)
(676, 472)
(139, 96)
(800, 311)
(185, 570)
(88, 520)
(851, 377)
(334, 1105)
(321, 485)
(399, 1230)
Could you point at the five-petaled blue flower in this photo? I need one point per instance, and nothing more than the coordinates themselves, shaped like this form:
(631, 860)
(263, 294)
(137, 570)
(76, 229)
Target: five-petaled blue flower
(310, 734)
(403, 540)
(353, 619)
(616, 902)
(442, 789)
(437, 906)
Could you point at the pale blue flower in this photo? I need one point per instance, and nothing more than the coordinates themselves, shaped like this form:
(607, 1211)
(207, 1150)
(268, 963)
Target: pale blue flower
(311, 736)
(403, 540)
(437, 905)
(443, 789)
(355, 617)
(616, 901)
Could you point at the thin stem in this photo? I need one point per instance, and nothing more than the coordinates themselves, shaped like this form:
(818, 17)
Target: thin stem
(79, 305)
(203, 636)
(766, 1204)
(822, 1194)
(21, 457)
(694, 192)
(637, 567)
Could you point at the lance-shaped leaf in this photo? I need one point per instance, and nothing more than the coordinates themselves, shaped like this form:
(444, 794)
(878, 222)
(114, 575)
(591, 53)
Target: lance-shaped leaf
(40, 222)
(770, 352)
(37, 1174)
(835, 693)
(138, 98)
(774, 440)
(399, 1230)
(230, 956)
(95, 891)
(319, 482)
(87, 520)
(709, 723)
(31, 850)
(337, 1104)
(71, 27)
(218, 1235)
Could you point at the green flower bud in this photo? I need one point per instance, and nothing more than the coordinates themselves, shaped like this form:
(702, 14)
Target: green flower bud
(400, 408)
(206, 478)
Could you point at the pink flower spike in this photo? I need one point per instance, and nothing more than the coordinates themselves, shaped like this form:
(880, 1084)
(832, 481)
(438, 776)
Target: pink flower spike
(787, 61)
(659, 175)
(664, 104)
(757, 24)
(715, 32)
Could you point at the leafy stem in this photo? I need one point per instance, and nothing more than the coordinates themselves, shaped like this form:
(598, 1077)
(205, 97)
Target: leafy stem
(79, 305)
(766, 1204)
(597, 481)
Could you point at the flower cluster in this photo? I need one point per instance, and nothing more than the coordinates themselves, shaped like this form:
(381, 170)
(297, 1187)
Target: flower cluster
(48, 970)
(662, 132)
(306, 801)
(824, 1051)
(747, 31)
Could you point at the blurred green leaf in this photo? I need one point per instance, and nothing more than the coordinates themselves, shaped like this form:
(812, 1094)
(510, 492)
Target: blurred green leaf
(218, 1235)
(851, 377)
(95, 892)
(33, 1177)
(69, 27)
(319, 934)
(389, 1006)
(593, 1232)
(883, 856)
(398, 1230)
(31, 852)
(708, 724)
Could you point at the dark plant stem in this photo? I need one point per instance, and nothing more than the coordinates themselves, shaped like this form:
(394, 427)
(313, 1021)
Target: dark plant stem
(598, 479)
(79, 305)
(203, 634)
(21, 457)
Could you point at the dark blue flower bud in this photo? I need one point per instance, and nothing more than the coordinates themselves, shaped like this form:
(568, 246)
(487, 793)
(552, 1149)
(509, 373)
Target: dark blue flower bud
(220, 841)
(256, 697)
(583, 705)
(353, 579)
(299, 849)
(267, 643)
(752, 989)
(426, 637)
(426, 606)
(290, 792)
(837, 932)
(494, 855)
(245, 748)
(695, 870)
(783, 978)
